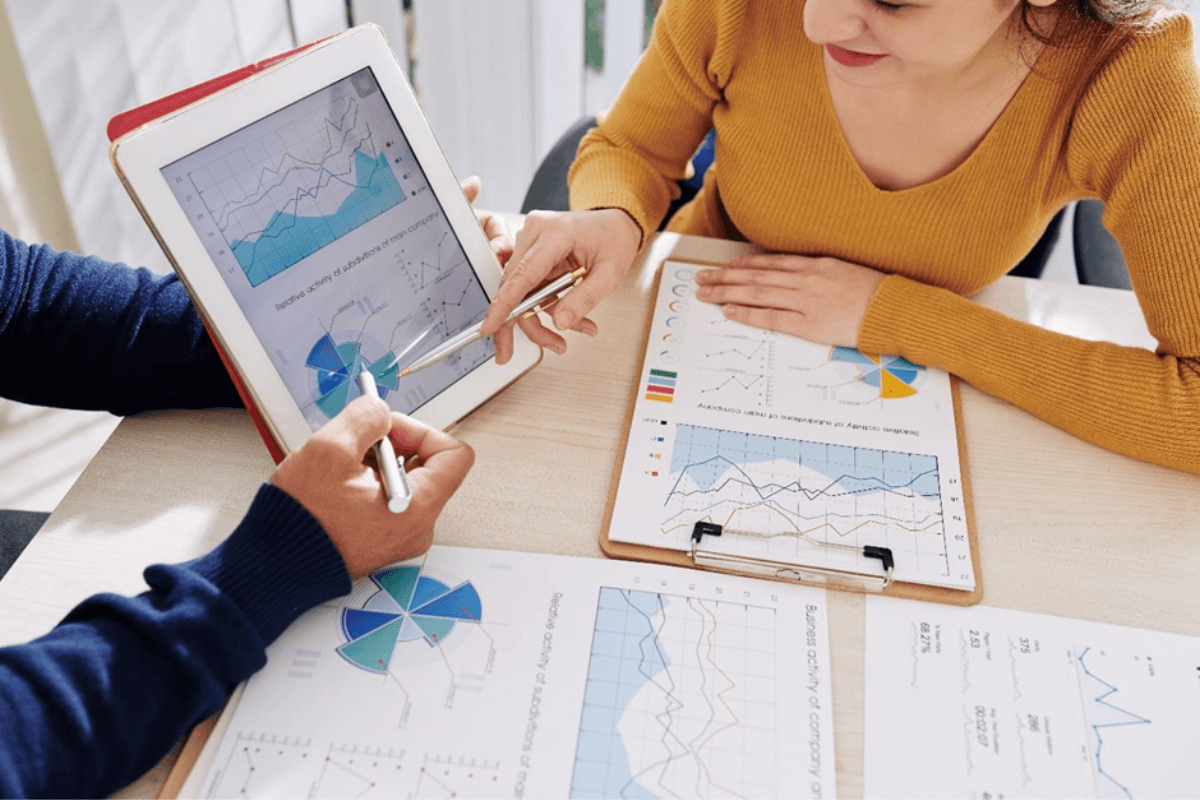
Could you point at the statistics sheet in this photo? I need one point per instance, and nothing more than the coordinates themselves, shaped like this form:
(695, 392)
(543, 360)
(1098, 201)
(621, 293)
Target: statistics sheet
(985, 702)
(792, 445)
(478, 673)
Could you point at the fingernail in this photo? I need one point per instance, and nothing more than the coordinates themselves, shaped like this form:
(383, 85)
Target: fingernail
(564, 320)
(559, 348)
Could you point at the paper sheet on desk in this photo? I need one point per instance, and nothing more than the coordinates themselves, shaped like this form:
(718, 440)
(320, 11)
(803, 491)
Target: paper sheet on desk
(985, 702)
(792, 444)
(480, 673)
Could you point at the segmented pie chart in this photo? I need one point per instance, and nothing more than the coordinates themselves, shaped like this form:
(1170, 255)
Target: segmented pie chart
(892, 376)
(409, 607)
(335, 364)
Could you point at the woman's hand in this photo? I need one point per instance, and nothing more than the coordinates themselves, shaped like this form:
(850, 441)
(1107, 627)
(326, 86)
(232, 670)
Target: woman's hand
(604, 241)
(820, 299)
(493, 226)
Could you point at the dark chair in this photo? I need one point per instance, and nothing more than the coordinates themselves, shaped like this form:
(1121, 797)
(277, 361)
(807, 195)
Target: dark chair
(548, 189)
(1098, 260)
(16, 530)
(1098, 257)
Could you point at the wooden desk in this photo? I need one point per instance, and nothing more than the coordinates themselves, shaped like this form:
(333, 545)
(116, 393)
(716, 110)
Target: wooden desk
(1064, 527)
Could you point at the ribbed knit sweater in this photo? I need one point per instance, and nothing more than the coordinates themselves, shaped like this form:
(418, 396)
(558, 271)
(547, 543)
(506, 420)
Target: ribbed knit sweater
(98, 700)
(784, 178)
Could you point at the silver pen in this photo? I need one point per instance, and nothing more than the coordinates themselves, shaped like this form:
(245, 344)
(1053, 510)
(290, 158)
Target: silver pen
(528, 307)
(395, 480)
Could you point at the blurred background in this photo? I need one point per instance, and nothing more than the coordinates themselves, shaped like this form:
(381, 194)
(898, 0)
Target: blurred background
(500, 81)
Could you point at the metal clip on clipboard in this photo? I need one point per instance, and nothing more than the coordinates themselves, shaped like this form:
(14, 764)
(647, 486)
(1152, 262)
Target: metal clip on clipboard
(771, 568)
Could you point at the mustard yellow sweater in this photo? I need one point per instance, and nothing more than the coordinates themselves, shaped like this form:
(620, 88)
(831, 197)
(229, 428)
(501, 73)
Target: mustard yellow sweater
(784, 178)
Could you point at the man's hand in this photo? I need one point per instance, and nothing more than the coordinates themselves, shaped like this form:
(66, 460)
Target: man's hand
(330, 476)
(819, 299)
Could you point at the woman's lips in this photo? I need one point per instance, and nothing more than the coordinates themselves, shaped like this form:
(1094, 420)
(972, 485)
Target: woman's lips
(850, 58)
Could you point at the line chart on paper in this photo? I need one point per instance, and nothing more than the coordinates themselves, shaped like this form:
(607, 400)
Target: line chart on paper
(781, 496)
(678, 700)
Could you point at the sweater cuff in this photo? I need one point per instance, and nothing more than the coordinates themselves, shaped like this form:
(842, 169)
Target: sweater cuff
(897, 319)
(277, 564)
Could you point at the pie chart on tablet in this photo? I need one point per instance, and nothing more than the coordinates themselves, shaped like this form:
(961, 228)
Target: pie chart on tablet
(335, 364)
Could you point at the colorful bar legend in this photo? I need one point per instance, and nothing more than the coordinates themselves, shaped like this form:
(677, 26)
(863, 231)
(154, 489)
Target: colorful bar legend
(660, 386)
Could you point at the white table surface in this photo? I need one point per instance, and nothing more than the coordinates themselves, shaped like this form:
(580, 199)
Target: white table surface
(1063, 527)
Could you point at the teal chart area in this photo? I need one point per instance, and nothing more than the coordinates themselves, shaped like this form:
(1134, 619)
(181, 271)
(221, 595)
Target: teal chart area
(410, 609)
(268, 196)
(289, 237)
(334, 366)
(680, 699)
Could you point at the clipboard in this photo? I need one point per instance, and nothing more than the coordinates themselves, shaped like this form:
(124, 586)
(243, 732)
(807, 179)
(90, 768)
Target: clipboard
(851, 580)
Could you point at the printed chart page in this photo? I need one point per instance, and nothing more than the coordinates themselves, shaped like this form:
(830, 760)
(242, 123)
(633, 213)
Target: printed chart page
(791, 445)
(479, 673)
(984, 702)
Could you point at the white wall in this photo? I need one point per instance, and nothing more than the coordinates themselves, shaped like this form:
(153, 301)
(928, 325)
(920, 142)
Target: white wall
(87, 61)
(500, 80)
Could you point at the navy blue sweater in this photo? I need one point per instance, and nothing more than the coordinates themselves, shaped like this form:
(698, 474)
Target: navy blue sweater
(96, 702)
(80, 332)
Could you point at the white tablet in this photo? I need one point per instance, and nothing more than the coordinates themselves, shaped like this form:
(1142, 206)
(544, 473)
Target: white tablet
(321, 232)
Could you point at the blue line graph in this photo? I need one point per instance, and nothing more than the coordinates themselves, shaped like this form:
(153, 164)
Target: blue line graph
(1103, 715)
(666, 712)
(288, 239)
(1012, 663)
(776, 486)
(1021, 750)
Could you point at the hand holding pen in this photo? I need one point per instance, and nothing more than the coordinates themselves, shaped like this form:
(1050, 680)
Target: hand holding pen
(391, 469)
(540, 300)
(603, 241)
(331, 478)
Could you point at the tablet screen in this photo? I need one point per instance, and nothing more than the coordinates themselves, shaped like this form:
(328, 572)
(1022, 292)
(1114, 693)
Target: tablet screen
(327, 233)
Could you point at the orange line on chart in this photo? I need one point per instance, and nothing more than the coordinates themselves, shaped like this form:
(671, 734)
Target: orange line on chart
(720, 696)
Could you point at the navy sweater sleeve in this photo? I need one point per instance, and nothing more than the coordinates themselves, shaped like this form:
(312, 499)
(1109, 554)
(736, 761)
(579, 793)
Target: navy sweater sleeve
(79, 332)
(96, 702)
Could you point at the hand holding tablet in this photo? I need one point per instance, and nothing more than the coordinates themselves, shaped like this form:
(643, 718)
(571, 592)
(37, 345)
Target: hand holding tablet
(319, 230)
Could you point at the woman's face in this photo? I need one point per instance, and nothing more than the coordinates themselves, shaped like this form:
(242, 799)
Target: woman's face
(873, 43)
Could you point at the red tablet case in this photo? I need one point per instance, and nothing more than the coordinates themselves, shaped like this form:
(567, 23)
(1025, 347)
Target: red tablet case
(134, 118)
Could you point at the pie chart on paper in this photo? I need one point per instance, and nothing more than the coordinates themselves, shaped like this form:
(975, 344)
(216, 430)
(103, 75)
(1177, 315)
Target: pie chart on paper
(409, 608)
(893, 377)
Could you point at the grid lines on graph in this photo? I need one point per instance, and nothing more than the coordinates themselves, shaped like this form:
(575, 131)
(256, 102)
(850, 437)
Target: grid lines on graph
(782, 492)
(680, 699)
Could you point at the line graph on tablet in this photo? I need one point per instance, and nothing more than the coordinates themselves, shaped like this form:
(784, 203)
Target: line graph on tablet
(328, 233)
(281, 195)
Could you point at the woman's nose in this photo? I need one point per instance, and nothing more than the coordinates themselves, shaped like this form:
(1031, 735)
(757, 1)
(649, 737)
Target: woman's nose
(833, 21)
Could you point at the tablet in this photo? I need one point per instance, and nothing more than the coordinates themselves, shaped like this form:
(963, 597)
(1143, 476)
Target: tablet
(320, 232)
